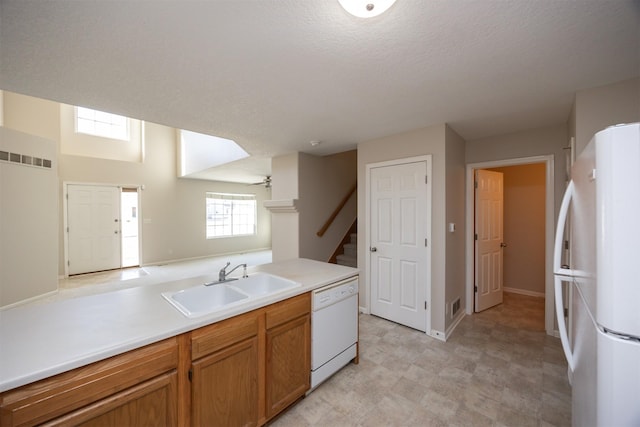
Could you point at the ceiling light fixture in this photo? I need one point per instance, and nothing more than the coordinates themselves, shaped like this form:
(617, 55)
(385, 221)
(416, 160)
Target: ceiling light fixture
(366, 8)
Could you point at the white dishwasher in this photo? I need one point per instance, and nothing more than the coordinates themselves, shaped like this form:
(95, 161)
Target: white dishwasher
(334, 328)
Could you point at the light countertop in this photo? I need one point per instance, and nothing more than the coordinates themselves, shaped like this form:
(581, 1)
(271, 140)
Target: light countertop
(41, 340)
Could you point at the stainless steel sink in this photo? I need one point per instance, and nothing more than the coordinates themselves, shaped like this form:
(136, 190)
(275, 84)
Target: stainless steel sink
(200, 300)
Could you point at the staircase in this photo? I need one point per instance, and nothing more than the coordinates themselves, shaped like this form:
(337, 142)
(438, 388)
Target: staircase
(349, 257)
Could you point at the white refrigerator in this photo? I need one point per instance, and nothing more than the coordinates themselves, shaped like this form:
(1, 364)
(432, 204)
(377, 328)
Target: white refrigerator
(602, 344)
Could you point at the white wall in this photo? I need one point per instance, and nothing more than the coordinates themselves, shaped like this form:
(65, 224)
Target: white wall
(604, 106)
(173, 209)
(28, 220)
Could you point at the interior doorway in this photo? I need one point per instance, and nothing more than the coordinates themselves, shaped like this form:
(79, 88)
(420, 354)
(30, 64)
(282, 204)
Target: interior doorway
(548, 214)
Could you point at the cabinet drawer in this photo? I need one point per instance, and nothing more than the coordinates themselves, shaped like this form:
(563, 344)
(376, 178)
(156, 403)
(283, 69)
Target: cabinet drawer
(286, 310)
(215, 337)
(153, 402)
(43, 400)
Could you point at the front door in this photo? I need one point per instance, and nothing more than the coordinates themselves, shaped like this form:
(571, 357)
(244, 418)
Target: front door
(399, 247)
(488, 239)
(93, 227)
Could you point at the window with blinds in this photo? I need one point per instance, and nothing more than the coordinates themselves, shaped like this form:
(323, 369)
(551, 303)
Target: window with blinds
(230, 215)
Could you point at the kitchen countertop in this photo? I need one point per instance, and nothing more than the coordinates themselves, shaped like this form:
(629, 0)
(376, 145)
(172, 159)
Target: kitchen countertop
(45, 339)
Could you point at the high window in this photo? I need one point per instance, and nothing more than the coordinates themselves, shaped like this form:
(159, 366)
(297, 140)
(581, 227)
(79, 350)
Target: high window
(230, 215)
(99, 123)
(92, 133)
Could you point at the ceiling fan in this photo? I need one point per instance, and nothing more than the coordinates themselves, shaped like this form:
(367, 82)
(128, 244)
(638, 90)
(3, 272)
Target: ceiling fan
(266, 182)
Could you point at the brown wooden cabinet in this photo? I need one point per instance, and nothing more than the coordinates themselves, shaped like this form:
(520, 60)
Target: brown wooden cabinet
(151, 403)
(224, 373)
(242, 371)
(134, 388)
(288, 357)
(249, 368)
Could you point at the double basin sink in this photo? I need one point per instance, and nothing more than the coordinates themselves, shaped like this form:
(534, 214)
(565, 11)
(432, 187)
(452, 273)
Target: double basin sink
(211, 297)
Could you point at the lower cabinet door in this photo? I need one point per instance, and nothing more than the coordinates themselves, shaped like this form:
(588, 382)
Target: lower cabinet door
(152, 403)
(288, 364)
(225, 387)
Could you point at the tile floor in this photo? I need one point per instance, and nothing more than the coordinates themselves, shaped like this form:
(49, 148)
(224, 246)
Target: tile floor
(499, 368)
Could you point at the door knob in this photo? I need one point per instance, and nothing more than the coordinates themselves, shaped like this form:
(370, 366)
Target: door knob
(503, 245)
(373, 249)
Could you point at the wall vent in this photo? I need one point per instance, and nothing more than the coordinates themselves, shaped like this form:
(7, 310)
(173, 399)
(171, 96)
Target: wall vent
(455, 306)
(25, 159)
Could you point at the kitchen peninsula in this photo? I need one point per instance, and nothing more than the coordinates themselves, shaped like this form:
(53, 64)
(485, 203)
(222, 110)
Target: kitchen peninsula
(135, 337)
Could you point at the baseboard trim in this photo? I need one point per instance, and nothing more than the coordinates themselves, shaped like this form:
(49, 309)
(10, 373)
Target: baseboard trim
(195, 258)
(439, 335)
(524, 292)
(29, 300)
(455, 323)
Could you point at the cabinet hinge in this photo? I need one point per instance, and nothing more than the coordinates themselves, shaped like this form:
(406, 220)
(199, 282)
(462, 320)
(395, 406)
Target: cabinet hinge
(475, 236)
(190, 374)
(475, 289)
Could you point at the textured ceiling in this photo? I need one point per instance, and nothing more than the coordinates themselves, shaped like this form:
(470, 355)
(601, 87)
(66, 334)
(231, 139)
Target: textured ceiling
(274, 75)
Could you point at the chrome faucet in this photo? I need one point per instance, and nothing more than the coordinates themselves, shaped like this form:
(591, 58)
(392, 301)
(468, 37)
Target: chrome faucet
(222, 275)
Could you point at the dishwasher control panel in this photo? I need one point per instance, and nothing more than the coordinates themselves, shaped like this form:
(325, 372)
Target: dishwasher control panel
(335, 292)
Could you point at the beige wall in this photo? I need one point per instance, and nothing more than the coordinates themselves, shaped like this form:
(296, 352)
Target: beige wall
(603, 106)
(455, 213)
(524, 228)
(28, 220)
(324, 182)
(536, 142)
(447, 178)
(318, 184)
(173, 209)
(285, 228)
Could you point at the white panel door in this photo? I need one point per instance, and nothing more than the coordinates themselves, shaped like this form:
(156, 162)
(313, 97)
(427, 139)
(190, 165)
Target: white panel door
(93, 227)
(488, 239)
(399, 253)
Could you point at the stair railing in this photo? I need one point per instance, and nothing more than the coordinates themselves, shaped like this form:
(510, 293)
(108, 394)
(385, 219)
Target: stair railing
(336, 211)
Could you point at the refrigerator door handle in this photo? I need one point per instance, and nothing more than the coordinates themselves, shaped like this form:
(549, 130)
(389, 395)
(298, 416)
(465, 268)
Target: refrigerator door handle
(558, 268)
(562, 325)
(562, 270)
